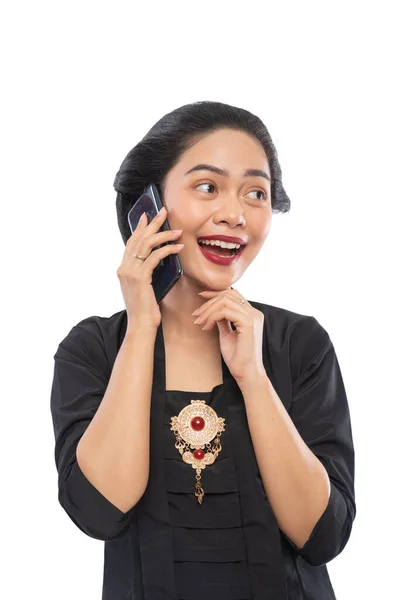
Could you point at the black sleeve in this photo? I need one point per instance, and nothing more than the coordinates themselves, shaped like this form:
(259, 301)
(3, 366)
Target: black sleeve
(81, 375)
(321, 415)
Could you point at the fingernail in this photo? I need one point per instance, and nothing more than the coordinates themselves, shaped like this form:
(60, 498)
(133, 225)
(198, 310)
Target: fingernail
(141, 216)
(162, 210)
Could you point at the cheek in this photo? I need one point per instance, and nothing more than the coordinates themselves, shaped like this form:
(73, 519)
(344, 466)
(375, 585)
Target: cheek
(265, 230)
(260, 229)
(179, 216)
(184, 214)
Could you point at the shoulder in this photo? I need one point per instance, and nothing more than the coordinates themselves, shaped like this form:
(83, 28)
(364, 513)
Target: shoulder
(301, 335)
(95, 337)
(96, 327)
(288, 322)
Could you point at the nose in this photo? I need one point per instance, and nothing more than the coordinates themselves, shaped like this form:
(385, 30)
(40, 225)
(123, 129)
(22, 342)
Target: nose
(231, 212)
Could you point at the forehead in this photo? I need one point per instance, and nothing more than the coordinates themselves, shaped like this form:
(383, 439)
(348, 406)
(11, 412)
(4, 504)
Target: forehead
(228, 149)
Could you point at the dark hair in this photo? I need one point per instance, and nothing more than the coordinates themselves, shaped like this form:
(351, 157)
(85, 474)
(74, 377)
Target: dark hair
(161, 148)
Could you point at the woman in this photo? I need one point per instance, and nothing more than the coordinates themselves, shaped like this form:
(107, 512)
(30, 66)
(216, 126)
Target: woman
(213, 455)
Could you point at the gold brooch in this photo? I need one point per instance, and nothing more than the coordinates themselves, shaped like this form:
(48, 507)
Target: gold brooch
(194, 428)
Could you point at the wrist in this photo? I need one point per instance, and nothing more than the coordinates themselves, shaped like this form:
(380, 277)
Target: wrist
(134, 331)
(253, 378)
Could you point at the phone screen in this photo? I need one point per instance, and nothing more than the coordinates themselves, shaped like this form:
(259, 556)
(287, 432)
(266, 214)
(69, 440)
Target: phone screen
(169, 269)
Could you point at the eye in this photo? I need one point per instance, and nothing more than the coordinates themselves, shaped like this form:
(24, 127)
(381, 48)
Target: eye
(259, 192)
(205, 183)
(265, 195)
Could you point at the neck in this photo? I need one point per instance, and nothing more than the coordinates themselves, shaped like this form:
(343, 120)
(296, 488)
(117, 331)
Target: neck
(176, 313)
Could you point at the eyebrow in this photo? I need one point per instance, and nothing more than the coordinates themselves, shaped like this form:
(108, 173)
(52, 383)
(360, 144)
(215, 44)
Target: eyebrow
(247, 173)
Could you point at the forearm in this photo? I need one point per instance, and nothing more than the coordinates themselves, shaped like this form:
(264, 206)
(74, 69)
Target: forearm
(113, 453)
(295, 481)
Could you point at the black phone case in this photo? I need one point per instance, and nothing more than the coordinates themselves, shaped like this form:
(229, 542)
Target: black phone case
(169, 269)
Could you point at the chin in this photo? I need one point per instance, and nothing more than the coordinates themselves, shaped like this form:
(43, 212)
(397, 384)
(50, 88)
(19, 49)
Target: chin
(217, 281)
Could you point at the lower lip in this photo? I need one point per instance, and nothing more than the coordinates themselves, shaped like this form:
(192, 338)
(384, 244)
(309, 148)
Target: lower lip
(220, 260)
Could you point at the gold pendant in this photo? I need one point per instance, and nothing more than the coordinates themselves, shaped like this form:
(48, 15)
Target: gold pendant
(194, 428)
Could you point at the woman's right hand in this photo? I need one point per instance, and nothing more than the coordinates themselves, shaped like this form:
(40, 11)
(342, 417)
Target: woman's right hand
(135, 275)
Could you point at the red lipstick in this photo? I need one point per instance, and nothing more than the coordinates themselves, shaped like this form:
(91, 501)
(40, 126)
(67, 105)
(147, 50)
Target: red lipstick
(224, 238)
(220, 260)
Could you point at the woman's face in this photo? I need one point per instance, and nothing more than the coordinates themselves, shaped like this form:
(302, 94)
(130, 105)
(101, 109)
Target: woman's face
(203, 202)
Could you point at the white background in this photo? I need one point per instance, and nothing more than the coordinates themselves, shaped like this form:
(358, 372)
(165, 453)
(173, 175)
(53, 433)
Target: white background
(82, 84)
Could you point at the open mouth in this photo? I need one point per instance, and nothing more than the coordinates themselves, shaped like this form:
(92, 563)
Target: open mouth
(219, 251)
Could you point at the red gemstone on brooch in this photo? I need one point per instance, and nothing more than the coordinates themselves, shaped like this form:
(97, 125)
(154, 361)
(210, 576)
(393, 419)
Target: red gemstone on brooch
(197, 423)
(199, 454)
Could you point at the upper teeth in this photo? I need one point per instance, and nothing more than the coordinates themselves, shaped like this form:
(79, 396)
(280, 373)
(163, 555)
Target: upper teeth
(219, 243)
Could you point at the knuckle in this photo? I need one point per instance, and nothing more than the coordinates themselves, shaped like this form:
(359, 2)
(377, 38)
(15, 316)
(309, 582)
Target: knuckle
(122, 270)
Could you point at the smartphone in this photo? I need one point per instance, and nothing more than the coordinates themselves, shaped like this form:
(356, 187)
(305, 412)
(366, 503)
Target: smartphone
(169, 269)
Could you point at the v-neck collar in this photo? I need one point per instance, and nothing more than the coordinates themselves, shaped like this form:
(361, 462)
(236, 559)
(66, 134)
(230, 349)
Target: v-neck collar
(260, 528)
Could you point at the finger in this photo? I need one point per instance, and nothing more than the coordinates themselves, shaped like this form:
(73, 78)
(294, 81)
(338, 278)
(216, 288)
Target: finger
(135, 235)
(148, 242)
(156, 255)
(158, 220)
(221, 303)
(153, 227)
(145, 246)
(225, 312)
(225, 327)
(142, 223)
(230, 293)
(204, 307)
(145, 228)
